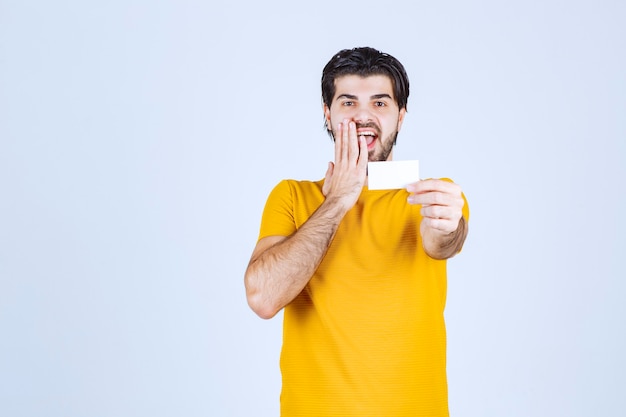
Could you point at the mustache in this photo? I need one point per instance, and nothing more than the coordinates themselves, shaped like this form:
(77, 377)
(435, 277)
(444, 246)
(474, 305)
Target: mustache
(368, 125)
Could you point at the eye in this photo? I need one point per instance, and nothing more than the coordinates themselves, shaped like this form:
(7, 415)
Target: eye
(380, 104)
(348, 103)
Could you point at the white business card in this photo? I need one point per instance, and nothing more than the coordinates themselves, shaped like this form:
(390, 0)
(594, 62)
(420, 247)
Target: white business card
(387, 175)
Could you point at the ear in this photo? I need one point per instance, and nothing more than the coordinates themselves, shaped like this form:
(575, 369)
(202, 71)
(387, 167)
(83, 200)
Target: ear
(401, 118)
(327, 117)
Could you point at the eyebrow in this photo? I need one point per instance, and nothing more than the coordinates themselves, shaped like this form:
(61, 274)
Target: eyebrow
(348, 96)
(374, 97)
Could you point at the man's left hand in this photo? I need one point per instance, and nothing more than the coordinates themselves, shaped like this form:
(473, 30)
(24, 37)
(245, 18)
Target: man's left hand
(442, 204)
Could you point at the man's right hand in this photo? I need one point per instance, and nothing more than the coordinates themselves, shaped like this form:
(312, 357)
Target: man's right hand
(345, 178)
(281, 266)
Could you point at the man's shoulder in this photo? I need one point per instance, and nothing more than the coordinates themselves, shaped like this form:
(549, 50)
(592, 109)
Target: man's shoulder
(305, 183)
(300, 186)
(295, 193)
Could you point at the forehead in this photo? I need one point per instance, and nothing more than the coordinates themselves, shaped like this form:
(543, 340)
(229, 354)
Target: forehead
(367, 86)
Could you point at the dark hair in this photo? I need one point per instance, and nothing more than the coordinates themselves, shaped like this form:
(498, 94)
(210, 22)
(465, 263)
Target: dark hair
(365, 62)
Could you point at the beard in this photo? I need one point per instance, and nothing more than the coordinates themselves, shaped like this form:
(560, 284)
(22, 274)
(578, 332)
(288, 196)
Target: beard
(375, 154)
(387, 146)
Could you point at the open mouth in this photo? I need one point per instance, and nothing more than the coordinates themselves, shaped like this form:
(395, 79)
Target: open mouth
(370, 137)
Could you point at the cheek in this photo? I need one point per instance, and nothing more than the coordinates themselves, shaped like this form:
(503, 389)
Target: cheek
(339, 115)
(392, 125)
(333, 120)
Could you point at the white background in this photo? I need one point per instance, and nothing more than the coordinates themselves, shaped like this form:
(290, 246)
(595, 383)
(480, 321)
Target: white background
(139, 140)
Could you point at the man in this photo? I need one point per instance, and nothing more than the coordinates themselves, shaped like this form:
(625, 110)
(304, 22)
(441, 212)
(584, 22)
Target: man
(361, 274)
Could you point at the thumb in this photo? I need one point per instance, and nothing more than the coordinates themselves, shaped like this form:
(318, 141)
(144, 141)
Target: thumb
(329, 171)
(329, 174)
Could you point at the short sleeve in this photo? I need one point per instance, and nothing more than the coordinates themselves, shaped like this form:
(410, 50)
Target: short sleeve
(278, 216)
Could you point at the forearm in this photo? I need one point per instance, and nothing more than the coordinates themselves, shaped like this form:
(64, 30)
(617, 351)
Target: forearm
(443, 246)
(278, 274)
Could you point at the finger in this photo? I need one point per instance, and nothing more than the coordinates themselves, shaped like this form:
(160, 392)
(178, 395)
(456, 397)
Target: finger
(345, 139)
(443, 225)
(433, 185)
(363, 154)
(436, 198)
(353, 143)
(329, 174)
(439, 212)
(329, 171)
(338, 142)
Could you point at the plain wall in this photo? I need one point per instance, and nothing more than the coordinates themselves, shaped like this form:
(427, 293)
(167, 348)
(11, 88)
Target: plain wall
(139, 140)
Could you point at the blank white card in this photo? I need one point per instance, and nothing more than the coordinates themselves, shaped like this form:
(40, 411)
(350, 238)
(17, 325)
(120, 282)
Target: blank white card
(387, 175)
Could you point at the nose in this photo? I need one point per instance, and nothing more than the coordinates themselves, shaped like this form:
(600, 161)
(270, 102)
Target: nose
(362, 115)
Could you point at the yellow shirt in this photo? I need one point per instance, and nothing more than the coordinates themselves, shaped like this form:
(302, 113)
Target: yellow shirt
(366, 337)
